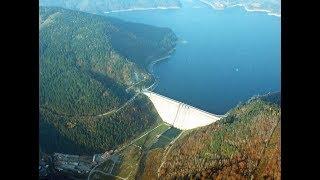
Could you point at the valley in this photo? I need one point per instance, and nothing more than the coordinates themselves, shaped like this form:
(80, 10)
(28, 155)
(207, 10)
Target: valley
(214, 151)
(127, 94)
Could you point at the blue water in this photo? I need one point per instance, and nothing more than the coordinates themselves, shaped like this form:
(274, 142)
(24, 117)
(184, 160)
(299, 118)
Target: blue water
(228, 56)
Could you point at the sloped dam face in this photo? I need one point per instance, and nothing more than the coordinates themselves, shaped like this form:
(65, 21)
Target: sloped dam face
(180, 115)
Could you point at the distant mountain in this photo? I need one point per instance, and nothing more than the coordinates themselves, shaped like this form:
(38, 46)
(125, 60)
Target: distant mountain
(273, 7)
(102, 6)
(244, 145)
(90, 67)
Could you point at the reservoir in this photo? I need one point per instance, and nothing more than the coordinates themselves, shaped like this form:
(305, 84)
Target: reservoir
(223, 57)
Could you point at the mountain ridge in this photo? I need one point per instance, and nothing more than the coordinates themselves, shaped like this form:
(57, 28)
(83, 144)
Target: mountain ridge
(105, 6)
(85, 76)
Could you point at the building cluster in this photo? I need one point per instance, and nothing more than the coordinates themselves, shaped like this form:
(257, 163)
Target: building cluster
(99, 158)
(72, 163)
(43, 168)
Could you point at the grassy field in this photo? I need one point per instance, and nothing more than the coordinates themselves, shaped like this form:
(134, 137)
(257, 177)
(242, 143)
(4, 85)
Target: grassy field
(106, 166)
(172, 133)
(129, 159)
(151, 137)
(161, 142)
(103, 176)
(128, 164)
(166, 138)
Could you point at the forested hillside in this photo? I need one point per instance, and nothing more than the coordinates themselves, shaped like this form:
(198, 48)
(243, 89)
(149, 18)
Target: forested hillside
(244, 145)
(102, 6)
(86, 63)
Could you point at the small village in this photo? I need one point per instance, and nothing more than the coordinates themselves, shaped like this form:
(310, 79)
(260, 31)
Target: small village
(65, 163)
(72, 163)
(43, 167)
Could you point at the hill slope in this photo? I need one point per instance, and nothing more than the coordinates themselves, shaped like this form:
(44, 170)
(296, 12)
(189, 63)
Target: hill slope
(102, 6)
(86, 64)
(244, 145)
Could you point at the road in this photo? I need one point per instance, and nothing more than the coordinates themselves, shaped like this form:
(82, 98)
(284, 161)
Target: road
(119, 150)
(133, 141)
(121, 107)
(130, 100)
(167, 150)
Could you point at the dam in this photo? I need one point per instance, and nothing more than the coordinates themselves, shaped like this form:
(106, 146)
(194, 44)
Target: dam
(180, 115)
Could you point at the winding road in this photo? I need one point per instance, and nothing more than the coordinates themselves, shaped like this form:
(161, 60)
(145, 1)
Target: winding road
(120, 108)
(119, 150)
(167, 150)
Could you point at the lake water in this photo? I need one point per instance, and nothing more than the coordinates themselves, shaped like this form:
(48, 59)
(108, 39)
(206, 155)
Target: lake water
(224, 56)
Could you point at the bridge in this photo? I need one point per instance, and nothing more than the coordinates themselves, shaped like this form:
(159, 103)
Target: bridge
(180, 115)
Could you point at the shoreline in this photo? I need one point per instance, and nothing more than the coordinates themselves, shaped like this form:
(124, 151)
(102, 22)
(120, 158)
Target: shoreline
(270, 13)
(142, 9)
(152, 63)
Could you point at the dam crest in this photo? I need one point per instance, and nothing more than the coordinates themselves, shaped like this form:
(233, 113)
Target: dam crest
(180, 115)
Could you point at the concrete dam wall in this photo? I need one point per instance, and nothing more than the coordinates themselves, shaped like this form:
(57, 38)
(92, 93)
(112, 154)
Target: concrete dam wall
(180, 115)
